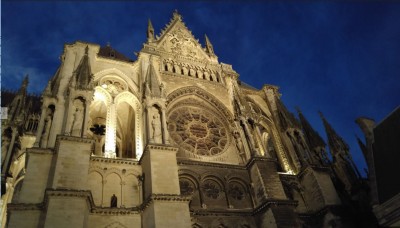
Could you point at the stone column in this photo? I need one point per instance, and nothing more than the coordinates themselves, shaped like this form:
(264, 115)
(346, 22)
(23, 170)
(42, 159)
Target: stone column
(161, 189)
(164, 126)
(41, 126)
(149, 117)
(111, 131)
(250, 136)
(5, 166)
(88, 101)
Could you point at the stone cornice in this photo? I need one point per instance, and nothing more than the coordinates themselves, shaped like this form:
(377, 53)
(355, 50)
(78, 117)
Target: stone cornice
(183, 161)
(194, 79)
(164, 197)
(24, 206)
(37, 150)
(260, 159)
(227, 212)
(274, 202)
(115, 211)
(73, 138)
(157, 147)
(161, 147)
(114, 160)
(317, 168)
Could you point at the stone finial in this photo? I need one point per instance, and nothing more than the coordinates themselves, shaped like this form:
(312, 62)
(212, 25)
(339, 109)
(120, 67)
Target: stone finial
(209, 47)
(150, 31)
(176, 15)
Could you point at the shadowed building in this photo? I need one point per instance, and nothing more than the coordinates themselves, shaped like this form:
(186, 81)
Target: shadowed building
(171, 139)
(381, 152)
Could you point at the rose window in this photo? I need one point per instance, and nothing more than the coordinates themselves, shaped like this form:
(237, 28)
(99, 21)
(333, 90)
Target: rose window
(236, 191)
(198, 131)
(186, 187)
(211, 189)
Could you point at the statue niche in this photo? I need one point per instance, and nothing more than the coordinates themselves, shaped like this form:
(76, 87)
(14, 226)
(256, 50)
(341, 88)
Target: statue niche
(78, 116)
(47, 126)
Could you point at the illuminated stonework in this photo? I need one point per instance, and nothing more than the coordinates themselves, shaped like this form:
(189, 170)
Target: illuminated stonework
(198, 131)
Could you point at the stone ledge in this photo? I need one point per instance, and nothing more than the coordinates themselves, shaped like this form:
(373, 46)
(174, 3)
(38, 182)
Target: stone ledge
(116, 211)
(24, 206)
(164, 197)
(274, 202)
(258, 158)
(182, 161)
(37, 150)
(74, 138)
(114, 160)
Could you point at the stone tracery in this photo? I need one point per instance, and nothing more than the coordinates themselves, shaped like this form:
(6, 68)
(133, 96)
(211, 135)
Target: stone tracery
(198, 131)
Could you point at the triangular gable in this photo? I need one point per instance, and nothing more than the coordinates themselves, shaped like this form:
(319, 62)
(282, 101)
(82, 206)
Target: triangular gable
(177, 39)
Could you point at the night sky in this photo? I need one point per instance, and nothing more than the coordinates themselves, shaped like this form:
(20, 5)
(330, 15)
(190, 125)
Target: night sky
(339, 58)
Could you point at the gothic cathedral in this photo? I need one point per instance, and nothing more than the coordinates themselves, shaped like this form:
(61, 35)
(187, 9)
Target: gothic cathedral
(172, 139)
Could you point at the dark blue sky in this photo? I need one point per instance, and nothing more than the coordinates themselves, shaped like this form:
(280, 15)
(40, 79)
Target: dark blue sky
(340, 58)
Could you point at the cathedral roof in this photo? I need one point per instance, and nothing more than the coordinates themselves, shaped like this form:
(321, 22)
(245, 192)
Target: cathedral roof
(111, 53)
(7, 96)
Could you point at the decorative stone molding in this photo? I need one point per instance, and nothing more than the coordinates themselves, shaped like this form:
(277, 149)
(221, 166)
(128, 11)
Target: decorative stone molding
(182, 161)
(114, 160)
(24, 206)
(192, 90)
(116, 211)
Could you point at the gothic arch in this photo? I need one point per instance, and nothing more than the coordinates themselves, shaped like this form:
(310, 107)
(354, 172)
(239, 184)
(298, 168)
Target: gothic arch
(175, 96)
(102, 95)
(114, 71)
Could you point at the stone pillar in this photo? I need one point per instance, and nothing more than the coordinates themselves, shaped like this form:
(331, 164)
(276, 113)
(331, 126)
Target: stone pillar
(149, 117)
(88, 101)
(164, 127)
(319, 190)
(27, 212)
(6, 165)
(111, 131)
(272, 207)
(165, 207)
(41, 126)
(68, 197)
(250, 136)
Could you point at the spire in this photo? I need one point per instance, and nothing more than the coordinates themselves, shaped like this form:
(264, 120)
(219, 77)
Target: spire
(335, 142)
(286, 118)
(82, 77)
(150, 32)
(209, 47)
(25, 82)
(313, 138)
(152, 87)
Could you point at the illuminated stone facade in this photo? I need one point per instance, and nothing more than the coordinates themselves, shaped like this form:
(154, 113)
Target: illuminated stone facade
(172, 139)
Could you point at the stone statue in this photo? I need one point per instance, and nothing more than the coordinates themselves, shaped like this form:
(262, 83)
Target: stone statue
(114, 201)
(77, 122)
(156, 125)
(46, 130)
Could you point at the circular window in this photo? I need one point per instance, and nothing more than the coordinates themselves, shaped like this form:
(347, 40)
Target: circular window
(197, 131)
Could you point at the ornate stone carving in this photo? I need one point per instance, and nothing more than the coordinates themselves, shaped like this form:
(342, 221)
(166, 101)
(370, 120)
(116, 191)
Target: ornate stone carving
(186, 186)
(236, 191)
(211, 189)
(198, 131)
